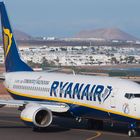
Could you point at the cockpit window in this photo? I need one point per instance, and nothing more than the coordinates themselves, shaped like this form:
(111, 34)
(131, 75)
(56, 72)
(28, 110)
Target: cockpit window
(131, 95)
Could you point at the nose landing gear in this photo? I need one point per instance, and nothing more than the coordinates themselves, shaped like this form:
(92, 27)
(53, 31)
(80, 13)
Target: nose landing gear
(132, 130)
(132, 133)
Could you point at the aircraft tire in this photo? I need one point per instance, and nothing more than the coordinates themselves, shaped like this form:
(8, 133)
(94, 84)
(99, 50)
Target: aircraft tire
(132, 133)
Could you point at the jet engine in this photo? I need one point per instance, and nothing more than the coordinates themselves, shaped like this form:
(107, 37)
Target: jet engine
(36, 115)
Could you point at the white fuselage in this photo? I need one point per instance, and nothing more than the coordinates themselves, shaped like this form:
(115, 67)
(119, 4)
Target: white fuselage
(100, 93)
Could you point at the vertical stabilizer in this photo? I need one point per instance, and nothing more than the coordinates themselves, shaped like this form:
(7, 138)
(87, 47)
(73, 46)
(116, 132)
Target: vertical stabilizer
(13, 61)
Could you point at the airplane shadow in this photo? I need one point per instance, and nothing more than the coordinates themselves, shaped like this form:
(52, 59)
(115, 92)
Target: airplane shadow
(72, 124)
(53, 129)
(61, 124)
(50, 129)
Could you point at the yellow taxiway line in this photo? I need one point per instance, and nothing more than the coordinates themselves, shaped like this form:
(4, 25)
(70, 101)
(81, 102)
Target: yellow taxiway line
(98, 134)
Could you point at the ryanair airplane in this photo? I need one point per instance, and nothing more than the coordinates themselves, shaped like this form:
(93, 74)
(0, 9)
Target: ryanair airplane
(40, 95)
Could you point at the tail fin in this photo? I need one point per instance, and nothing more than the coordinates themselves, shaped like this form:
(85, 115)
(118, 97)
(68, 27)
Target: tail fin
(12, 58)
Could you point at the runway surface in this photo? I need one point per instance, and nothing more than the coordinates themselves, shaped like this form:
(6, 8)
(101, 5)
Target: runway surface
(12, 128)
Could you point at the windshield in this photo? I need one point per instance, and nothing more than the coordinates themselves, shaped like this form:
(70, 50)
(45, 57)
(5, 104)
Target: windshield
(132, 95)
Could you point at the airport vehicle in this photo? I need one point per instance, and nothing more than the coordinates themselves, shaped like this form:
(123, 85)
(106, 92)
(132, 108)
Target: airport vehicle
(40, 95)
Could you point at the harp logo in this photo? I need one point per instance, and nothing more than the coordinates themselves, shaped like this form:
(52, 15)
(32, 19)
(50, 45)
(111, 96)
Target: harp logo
(7, 40)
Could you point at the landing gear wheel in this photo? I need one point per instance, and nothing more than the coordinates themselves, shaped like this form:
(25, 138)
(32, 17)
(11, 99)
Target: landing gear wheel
(132, 133)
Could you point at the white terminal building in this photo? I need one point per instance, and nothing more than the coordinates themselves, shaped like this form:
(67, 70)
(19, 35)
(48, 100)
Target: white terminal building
(78, 55)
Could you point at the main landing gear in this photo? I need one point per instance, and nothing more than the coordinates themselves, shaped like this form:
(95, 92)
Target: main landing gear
(95, 124)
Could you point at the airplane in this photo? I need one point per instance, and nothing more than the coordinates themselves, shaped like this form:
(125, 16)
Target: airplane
(41, 95)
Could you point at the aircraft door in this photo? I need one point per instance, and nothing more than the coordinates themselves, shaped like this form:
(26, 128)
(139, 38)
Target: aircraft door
(113, 99)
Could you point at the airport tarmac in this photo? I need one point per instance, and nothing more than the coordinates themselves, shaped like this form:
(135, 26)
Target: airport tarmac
(12, 128)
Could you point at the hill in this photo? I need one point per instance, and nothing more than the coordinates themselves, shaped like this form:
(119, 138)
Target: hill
(107, 34)
(19, 35)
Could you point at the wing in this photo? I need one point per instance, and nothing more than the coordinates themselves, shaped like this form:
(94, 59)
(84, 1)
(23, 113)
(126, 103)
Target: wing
(2, 77)
(53, 106)
(53, 69)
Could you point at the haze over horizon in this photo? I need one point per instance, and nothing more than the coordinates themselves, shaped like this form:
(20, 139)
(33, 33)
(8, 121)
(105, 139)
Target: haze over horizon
(65, 18)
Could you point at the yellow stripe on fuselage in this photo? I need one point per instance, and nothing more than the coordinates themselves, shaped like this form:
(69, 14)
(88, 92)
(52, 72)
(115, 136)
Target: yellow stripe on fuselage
(72, 102)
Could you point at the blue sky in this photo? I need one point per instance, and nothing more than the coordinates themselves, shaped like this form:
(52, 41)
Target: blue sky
(64, 18)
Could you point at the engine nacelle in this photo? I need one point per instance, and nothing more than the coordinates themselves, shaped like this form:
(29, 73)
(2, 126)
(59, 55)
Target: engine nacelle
(36, 115)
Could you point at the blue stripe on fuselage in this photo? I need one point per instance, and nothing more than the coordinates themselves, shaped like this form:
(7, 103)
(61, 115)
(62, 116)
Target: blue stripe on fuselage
(85, 112)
